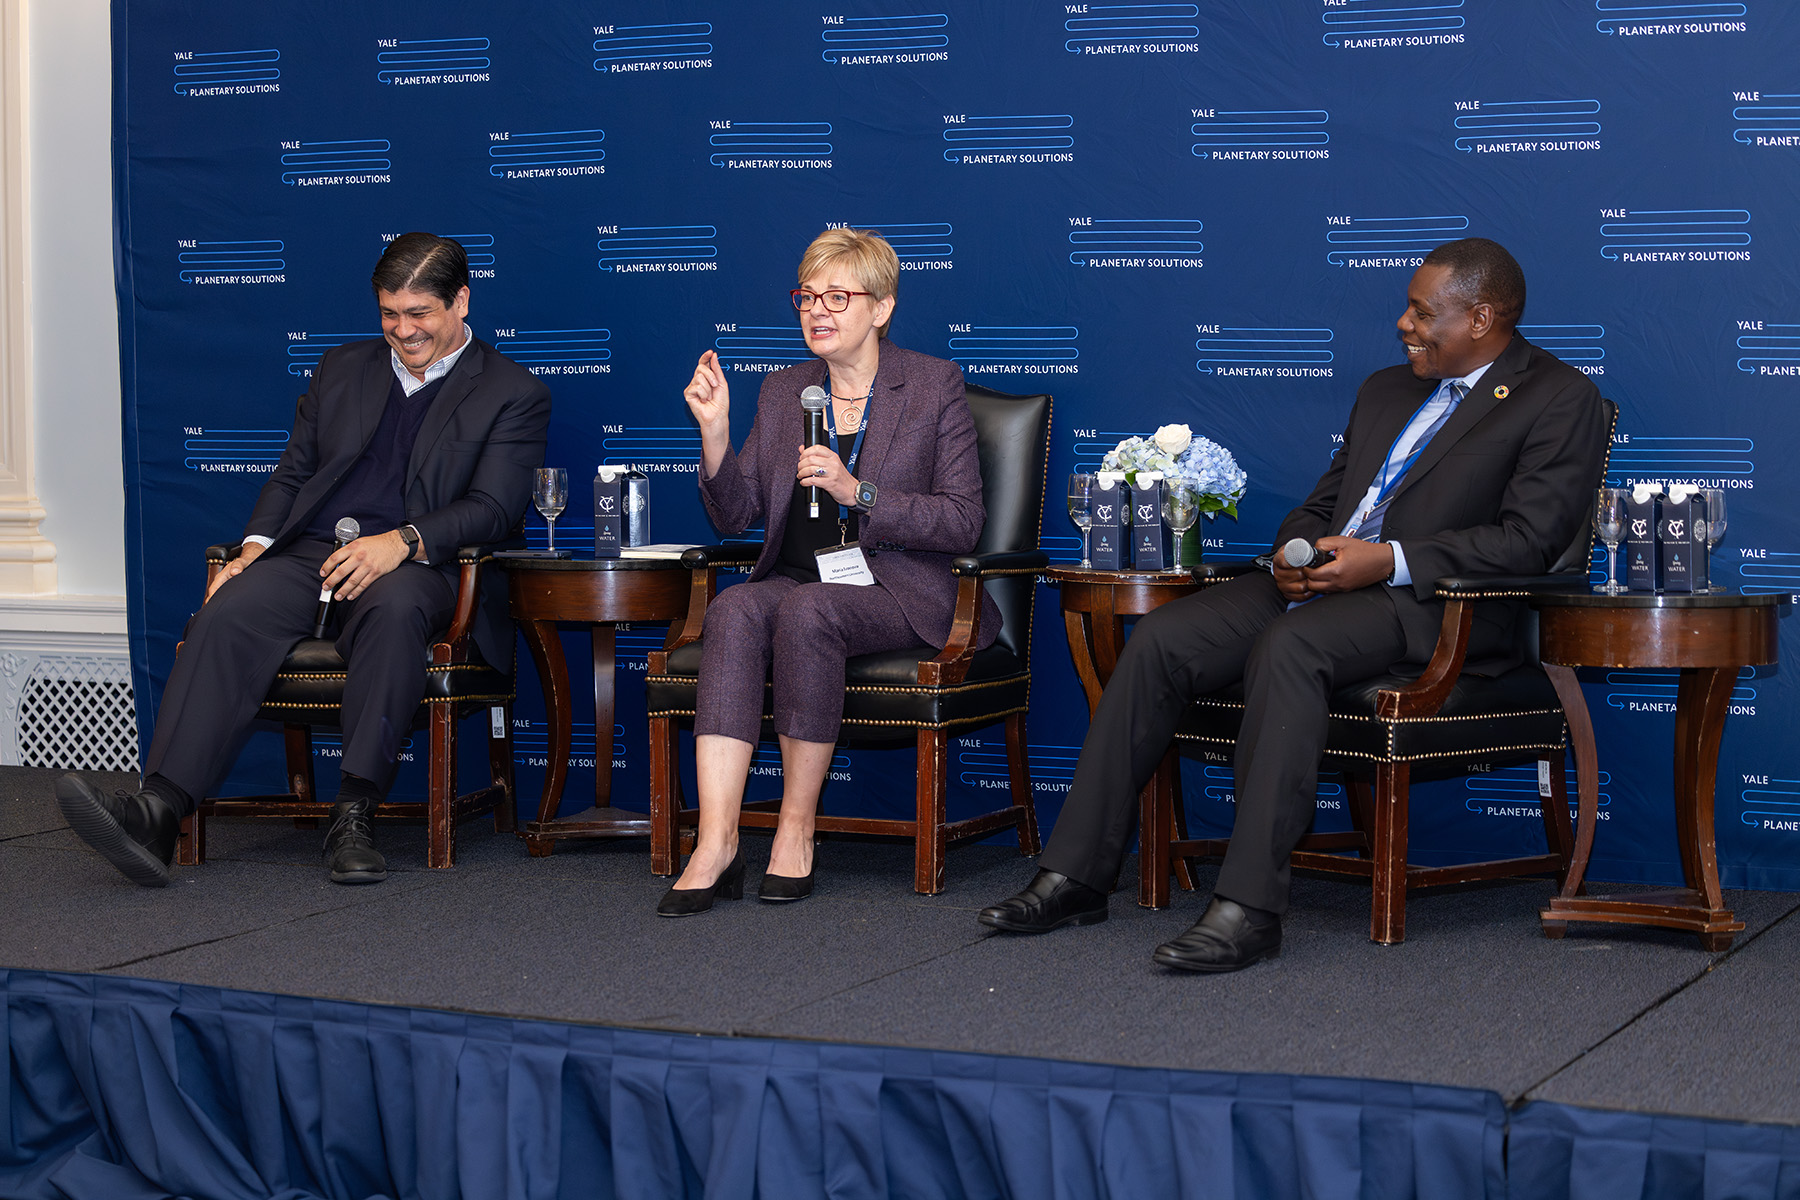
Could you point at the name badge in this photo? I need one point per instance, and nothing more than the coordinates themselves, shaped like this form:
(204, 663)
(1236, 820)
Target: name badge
(844, 564)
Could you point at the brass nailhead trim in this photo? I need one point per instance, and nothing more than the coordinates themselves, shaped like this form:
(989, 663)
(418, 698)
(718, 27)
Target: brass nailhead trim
(983, 719)
(1377, 758)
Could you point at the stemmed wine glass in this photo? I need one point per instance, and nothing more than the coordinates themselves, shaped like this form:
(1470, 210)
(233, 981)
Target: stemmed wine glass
(1715, 528)
(550, 492)
(1609, 525)
(1081, 509)
(1180, 508)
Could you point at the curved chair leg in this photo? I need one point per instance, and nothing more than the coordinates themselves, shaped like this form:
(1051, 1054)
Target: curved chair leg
(1558, 832)
(930, 841)
(1387, 916)
(441, 789)
(1018, 765)
(665, 797)
(190, 845)
(500, 768)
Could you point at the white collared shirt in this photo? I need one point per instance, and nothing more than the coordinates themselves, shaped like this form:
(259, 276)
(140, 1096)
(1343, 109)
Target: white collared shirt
(411, 383)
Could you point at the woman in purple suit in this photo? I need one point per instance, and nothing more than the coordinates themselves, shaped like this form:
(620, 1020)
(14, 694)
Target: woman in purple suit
(901, 488)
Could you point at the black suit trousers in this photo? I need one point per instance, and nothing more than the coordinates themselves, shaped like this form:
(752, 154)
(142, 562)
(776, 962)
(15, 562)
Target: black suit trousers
(236, 642)
(1290, 661)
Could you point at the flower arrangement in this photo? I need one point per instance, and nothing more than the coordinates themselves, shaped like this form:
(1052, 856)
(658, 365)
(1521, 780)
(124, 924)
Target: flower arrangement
(1196, 463)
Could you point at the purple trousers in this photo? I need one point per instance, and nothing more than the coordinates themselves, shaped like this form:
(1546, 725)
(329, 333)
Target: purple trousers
(806, 630)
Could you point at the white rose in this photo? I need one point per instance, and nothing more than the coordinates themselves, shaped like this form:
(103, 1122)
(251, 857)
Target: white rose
(1172, 439)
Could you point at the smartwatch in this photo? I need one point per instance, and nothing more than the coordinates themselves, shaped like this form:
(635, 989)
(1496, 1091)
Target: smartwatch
(865, 495)
(410, 536)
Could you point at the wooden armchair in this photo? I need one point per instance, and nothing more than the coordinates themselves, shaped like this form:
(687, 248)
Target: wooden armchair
(308, 691)
(916, 696)
(1387, 731)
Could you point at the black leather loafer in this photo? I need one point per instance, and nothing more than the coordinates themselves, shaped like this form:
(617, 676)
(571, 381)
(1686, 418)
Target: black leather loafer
(685, 902)
(778, 889)
(1225, 938)
(134, 831)
(350, 852)
(1049, 902)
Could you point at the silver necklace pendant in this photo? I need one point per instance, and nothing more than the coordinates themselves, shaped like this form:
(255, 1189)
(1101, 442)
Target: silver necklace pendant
(850, 420)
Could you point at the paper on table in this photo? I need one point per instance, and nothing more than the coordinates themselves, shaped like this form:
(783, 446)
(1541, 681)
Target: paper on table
(656, 550)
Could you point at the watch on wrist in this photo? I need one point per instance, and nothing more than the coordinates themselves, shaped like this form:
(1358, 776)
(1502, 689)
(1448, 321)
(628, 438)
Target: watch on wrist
(410, 536)
(866, 493)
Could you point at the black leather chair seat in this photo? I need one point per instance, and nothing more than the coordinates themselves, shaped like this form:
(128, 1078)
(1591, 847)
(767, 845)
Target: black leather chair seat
(312, 677)
(1515, 714)
(881, 691)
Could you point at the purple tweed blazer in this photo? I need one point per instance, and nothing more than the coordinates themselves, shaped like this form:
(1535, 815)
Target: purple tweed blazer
(919, 451)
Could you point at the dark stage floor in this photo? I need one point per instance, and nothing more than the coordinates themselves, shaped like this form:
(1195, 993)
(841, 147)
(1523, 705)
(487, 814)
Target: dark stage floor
(1476, 997)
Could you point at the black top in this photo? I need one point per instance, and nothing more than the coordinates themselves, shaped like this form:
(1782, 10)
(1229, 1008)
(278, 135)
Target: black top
(371, 490)
(804, 535)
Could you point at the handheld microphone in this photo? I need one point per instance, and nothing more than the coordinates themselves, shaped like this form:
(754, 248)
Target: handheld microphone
(347, 531)
(1301, 553)
(813, 400)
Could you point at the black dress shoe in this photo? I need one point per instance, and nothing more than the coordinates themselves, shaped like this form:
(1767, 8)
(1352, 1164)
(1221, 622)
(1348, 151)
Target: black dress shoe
(685, 902)
(1227, 937)
(349, 846)
(1051, 900)
(134, 831)
(780, 888)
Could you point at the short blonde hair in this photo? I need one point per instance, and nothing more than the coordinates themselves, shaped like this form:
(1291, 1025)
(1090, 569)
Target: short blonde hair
(865, 254)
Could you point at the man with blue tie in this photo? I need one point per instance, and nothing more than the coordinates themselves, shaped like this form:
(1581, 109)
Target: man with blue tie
(1480, 455)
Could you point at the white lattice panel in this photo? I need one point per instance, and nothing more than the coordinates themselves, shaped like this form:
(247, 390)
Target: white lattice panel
(77, 713)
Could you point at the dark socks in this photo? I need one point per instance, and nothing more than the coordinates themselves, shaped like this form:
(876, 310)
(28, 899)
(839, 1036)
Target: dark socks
(169, 794)
(1259, 915)
(355, 787)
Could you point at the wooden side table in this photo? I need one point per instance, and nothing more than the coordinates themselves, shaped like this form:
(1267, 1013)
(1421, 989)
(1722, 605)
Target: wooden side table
(1709, 639)
(1094, 606)
(597, 592)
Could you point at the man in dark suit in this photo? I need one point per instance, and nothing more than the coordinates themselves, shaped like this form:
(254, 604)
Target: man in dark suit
(1479, 455)
(428, 438)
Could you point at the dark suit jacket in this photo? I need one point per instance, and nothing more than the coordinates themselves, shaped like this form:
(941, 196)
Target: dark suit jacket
(1503, 488)
(468, 480)
(919, 452)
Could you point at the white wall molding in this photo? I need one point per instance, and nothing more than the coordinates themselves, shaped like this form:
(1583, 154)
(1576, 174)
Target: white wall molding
(27, 557)
(62, 621)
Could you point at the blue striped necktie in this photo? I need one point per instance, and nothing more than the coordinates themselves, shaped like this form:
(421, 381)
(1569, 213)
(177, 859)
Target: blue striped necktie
(1401, 458)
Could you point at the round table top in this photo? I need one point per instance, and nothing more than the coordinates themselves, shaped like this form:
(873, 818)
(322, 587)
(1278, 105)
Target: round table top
(1076, 574)
(589, 564)
(1656, 600)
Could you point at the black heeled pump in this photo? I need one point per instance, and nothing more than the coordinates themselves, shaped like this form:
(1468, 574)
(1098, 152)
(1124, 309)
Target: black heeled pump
(781, 888)
(685, 902)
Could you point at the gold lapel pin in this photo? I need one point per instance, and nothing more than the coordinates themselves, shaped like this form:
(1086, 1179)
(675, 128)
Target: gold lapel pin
(1501, 392)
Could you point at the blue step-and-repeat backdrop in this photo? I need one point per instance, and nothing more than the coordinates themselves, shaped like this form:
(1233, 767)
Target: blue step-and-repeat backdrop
(1202, 213)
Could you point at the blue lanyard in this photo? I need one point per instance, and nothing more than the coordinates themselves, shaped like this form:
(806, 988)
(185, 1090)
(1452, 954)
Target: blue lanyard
(855, 445)
(1389, 483)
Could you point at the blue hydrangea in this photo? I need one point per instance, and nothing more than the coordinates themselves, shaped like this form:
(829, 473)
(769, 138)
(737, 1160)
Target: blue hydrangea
(1205, 467)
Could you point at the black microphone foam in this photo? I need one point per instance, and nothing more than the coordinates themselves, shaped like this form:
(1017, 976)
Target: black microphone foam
(813, 400)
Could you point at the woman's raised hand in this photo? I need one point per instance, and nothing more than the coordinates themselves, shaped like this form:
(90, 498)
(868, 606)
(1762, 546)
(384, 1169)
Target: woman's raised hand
(709, 396)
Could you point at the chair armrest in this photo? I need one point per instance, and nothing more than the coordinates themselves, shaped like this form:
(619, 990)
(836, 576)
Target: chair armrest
(1000, 562)
(454, 645)
(216, 559)
(480, 553)
(1426, 694)
(734, 554)
(951, 666)
(703, 563)
(1508, 587)
(1206, 573)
